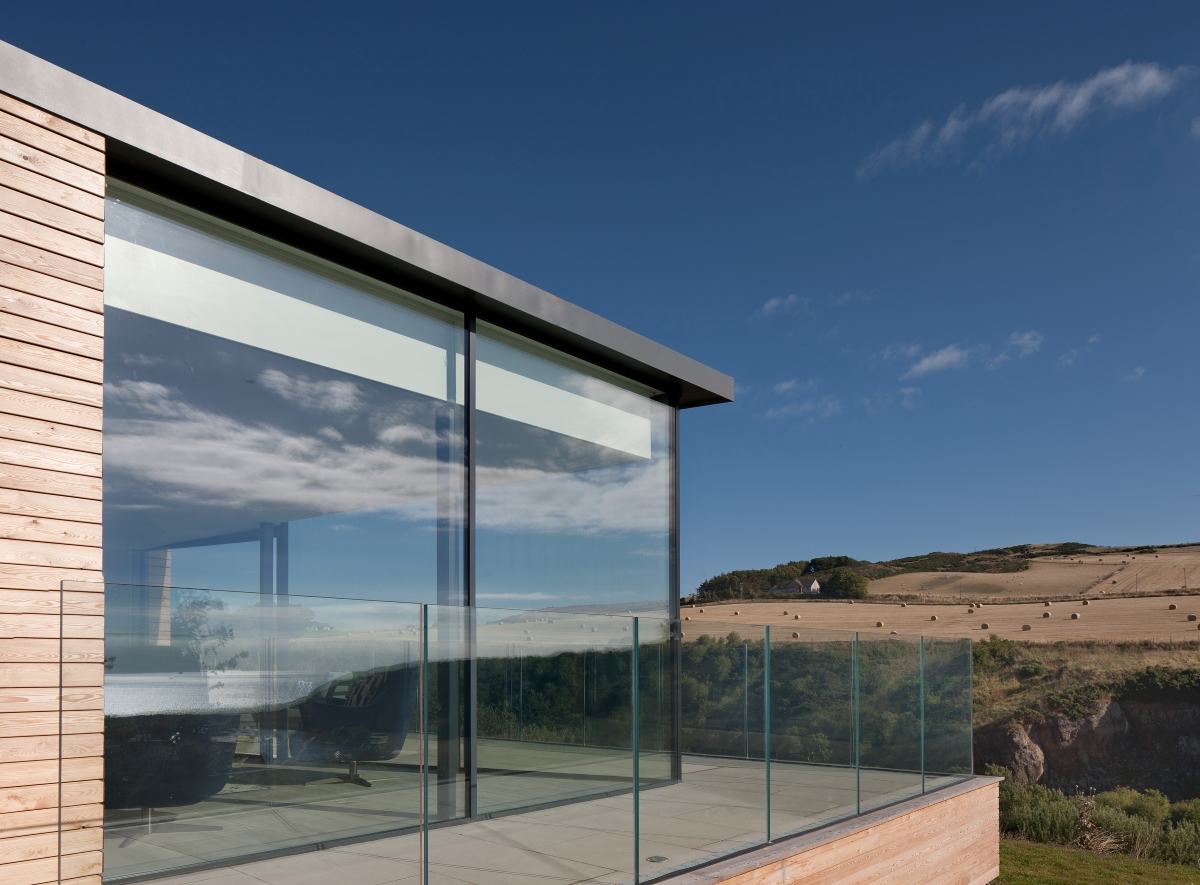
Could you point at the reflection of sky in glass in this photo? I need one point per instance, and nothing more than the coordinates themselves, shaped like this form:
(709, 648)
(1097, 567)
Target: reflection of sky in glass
(212, 443)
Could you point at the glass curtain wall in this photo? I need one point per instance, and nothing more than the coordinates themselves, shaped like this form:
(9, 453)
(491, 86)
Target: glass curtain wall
(279, 425)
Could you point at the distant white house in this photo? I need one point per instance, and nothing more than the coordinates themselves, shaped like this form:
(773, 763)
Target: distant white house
(809, 586)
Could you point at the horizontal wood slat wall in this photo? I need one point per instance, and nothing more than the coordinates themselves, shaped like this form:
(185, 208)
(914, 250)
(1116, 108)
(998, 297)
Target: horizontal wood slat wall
(51, 407)
(954, 841)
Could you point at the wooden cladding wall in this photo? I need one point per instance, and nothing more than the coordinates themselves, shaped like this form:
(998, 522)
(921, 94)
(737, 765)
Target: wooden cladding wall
(51, 376)
(953, 840)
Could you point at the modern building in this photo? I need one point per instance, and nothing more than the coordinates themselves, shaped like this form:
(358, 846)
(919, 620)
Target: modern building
(329, 551)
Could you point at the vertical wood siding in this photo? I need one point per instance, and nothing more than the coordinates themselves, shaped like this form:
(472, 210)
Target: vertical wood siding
(51, 401)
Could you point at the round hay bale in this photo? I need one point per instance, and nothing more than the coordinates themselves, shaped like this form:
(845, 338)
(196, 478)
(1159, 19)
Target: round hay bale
(933, 617)
(701, 611)
(687, 617)
(1045, 603)
(785, 611)
(983, 626)
(1114, 582)
(1026, 627)
(1085, 602)
(894, 633)
(1045, 614)
(879, 623)
(1191, 617)
(796, 617)
(1074, 616)
(1172, 607)
(904, 605)
(795, 636)
(736, 612)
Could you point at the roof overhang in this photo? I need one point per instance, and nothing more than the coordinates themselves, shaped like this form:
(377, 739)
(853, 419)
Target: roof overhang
(155, 151)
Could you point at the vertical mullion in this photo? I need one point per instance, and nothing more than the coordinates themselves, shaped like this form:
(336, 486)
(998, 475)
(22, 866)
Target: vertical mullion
(676, 614)
(469, 458)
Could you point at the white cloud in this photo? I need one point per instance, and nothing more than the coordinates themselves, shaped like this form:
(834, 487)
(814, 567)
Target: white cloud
(1094, 340)
(1137, 374)
(329, 396)
(1006, 120)
(1068, 359)
(200, 457)
(1020, 345)
(1026, 343)
(782, 305)
(785, 386)
(951, 357)
(910, 395)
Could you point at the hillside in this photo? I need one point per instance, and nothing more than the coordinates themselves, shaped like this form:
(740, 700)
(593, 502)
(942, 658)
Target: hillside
(1060, 569)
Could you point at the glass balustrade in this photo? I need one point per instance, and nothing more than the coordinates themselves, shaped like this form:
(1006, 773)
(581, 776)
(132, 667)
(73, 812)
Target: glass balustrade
(426, 744)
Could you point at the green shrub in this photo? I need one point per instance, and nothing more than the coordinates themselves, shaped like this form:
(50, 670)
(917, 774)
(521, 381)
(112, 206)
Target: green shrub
(1180, 844)
(1037, 813)
(1187, 810)
(1030, 669)
(1139, 837)
(1151, 805)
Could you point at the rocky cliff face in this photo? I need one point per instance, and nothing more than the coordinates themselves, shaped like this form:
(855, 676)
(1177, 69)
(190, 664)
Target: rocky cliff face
(1135, 743)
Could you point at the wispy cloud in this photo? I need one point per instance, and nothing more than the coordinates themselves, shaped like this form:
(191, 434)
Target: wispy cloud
(816, 410)
(951, 357)
(1137, 374)
(1072, 356)
(900, 351)
(1020, 345)
(781, 305)
(1015, 116)
(909, 397)
(794, 385)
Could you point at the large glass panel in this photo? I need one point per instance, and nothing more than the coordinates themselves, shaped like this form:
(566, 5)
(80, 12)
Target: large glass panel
(272, 422)
(889, 684)
(719, 804)
(550, 769)
(948, 699)
(573, 500)
(813, 776)
(254, 726)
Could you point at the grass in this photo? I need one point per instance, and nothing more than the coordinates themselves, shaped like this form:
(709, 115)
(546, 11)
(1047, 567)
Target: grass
(1028, 863)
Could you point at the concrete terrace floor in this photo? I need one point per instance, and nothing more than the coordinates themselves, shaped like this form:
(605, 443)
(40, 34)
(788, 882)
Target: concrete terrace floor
(718, 808)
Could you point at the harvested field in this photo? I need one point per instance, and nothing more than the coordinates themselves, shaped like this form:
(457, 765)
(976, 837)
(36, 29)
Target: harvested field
(1145, 617)
(1167, 570)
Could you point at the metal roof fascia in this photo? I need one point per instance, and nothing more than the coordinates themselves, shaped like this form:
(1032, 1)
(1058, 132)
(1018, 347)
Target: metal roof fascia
(58, 91)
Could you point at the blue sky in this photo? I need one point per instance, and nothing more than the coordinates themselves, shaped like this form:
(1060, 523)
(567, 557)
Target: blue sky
(951, 255)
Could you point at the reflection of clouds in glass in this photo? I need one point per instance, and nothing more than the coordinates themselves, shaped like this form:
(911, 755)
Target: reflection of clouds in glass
(627, 497)
(206, 458)
(329, 396)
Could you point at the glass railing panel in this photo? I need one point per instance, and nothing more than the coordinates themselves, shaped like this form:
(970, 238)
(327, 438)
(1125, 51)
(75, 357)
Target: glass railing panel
(948, 698)
(813, 775)
(719, 802)
(545, 789)
(240, 726)
(889, 711)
